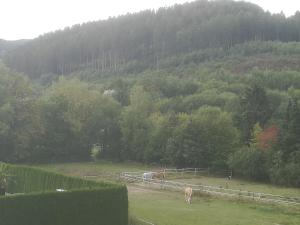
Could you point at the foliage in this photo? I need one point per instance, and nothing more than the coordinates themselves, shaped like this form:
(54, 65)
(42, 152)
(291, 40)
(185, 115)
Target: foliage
(100, 206)
(254, 109)
(29, 179)
(204, 139)
(95, 152)
(288, 174)
(257, 130)
(83, 202)
(135, 42)
(4, 176)
(19, 116)
(192, 85)
(249, 163)
(285, 160)
(268, 137)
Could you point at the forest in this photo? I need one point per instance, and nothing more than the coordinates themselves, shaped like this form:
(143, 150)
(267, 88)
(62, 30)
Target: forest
(203, 84)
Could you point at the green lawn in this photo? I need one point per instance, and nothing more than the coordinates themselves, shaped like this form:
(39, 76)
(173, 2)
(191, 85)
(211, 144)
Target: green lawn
(169, 208)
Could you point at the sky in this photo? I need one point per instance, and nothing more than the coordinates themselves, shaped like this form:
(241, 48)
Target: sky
(26, 19)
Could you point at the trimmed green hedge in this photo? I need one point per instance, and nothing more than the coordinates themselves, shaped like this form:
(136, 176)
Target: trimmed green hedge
(29, 179)
(84, 202)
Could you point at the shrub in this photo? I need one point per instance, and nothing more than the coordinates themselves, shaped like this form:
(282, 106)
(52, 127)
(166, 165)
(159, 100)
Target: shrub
(249, 163)
(83, 202)
(288, 175)
(28, 179)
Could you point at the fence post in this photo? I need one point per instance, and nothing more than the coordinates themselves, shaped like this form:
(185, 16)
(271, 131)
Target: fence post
(195, 172)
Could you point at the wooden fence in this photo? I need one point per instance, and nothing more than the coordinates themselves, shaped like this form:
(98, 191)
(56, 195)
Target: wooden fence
(213, 190)
(191, 171)
(144, 222)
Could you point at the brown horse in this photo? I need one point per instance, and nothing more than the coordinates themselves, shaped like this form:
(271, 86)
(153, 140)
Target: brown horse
(159, 175)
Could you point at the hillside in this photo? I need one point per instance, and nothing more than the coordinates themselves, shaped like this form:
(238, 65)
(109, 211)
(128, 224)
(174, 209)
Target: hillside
(142, 40)
(205, 84)
(6, 46)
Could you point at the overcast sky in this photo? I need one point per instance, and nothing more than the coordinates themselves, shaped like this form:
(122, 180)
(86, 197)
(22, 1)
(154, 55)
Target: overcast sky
(23, 19)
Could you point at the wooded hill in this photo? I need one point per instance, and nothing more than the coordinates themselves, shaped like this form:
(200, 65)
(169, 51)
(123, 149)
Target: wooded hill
(6, 46)
(204, 84)
(141, 40)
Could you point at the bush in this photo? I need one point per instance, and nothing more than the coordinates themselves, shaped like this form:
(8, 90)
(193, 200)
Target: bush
(84, 202)
(288, 175)
(249, 163)
(107, 206)
(29, 179)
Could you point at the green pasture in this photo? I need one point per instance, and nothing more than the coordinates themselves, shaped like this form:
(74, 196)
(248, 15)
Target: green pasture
(244, 185)
(101, 168)
(169, 208)
(111, 170)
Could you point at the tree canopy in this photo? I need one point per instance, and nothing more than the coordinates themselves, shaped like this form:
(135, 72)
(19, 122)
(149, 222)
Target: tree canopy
(204, 84)
(141, 40)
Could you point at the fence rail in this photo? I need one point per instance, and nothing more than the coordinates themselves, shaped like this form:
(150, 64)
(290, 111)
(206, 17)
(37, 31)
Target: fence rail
(145, 221)
(195, 171)
(213, 190)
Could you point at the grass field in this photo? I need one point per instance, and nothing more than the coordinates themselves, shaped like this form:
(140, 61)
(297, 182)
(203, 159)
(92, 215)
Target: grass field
(107, 170)
(96, 168)
(238, 184)
(169, 208)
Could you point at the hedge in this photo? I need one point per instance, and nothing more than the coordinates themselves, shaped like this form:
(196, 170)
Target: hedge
(84, 202)
(29, 179)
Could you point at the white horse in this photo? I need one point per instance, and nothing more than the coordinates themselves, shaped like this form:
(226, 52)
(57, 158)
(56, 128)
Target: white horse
(188, 192)
(147, 176)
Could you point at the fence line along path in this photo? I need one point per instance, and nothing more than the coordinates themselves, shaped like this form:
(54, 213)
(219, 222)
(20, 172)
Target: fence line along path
(213, 190)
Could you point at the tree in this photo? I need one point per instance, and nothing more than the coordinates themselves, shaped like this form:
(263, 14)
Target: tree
(161, 129)
(254, 109)
(268, 138)
(19, 117)
(75, 118)
(204, 139)
(139, 41)
(249, 163)
(291, 136)
(134, 124)
(285, 158)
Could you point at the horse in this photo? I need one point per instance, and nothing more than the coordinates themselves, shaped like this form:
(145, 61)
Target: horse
(147, 176)
(159, 175)
(188, 192)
